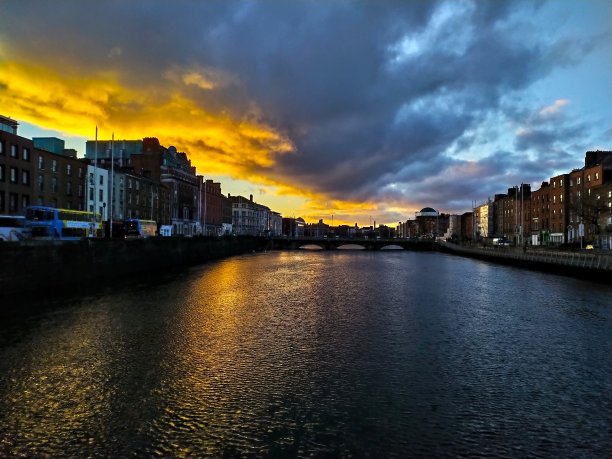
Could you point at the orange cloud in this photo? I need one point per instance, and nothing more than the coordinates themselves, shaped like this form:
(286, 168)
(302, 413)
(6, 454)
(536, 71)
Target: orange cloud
(216, 143)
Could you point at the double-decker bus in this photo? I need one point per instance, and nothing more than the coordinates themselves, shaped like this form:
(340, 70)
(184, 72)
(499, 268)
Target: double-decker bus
(137, 228)
(63, 224)
(13, 228)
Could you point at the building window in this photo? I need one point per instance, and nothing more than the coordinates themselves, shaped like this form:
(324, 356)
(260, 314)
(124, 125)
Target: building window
(589, 178)
(1, 201)
(554, 199)
(69, 169)
(13, 174)
(1, 147)
(69, 189)
(14, 155)
(561, 182)
(25, 177)
(100, 195)
(25, 201)
(578, 180)
(26, 154)
(80, 190)
(571, 182)
(2, 172)
(560, 198)
(91, 194)
(130, 184)
(54, 165)
(54, 184)
(137, 198)
(137, 185)
(596, 175)
(101, 180)
(13, 202)
(41, 162)
(80, 172)
(41, 183)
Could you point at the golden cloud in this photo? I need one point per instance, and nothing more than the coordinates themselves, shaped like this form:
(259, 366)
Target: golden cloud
(245, 149)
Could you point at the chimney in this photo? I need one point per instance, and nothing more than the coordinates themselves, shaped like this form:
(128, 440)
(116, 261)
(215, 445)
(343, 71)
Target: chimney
(251, 197)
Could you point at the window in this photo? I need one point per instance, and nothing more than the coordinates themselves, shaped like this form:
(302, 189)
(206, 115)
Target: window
(80, 172)
(554, 199)
(41, 162)
(25, 200)
(137, 198)
(25, 154)
(69, 169)
(137, 185)
(1, 147)
(578, 180)
(101, 180)
(54, 165)
(40, 183)
(69, 189)
(25, 177)
(560, 198)
(596, 175)
(14, 155)
(14, 173)
(130, 184)
(1, 201)
(589, 178)
(571, 182)
(554, 184)
(101, 195)
(2, 172)
(561, 182)
(91, 193)
(80, 190)
(13, 202)
(589, 192)
(129, 198)
(610, 194)
(54, 184)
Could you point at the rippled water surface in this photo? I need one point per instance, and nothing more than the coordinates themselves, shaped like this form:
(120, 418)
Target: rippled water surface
(314, 354)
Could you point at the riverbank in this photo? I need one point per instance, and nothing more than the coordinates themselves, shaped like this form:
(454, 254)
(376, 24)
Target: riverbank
(36, 267)
(582, 264)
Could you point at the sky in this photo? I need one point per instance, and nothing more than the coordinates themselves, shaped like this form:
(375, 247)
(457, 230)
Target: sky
(358, 111)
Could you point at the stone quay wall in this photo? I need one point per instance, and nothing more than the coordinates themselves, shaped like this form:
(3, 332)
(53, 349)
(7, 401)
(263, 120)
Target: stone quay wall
(585, 264)
(39, 266)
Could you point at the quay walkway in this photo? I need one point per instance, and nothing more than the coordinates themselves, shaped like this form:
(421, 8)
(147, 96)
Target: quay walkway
(596, 265)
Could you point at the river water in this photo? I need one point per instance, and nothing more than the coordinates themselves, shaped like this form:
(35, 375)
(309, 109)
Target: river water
(314, 354)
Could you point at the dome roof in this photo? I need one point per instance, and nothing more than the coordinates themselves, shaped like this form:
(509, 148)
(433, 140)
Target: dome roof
(428, 210)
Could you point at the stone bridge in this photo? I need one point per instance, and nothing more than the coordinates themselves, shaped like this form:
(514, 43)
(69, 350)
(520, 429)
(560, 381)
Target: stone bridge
(333, 243)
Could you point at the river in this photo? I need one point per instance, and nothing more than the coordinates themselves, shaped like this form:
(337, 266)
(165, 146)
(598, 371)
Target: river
(314, 354)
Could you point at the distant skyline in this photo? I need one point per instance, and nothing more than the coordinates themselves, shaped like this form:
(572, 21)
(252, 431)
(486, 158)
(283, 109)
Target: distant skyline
(353, 109)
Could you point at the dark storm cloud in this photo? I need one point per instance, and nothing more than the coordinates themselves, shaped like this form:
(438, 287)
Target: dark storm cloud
(371, 94)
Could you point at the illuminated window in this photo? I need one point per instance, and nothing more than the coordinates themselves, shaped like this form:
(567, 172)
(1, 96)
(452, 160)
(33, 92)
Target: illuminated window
(26, 154)
(596, 175)
(25, 177)
(578, 180)
(13, 151)
(54, 165)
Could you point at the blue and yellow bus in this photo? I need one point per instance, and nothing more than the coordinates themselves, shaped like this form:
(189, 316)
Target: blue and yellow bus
(62, 224)
(137, 228)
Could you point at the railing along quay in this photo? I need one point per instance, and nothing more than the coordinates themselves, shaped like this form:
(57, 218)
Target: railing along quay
(580, 264)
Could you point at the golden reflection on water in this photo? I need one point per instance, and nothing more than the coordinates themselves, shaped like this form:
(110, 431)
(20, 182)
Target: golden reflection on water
(60, 394)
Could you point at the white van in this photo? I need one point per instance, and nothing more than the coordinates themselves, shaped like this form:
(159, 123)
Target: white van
(167, 230)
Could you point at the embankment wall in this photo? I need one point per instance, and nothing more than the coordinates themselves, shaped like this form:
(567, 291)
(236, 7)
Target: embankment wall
(39, 265)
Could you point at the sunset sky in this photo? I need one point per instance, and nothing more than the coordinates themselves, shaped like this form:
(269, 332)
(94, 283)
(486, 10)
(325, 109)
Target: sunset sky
(360, 110)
